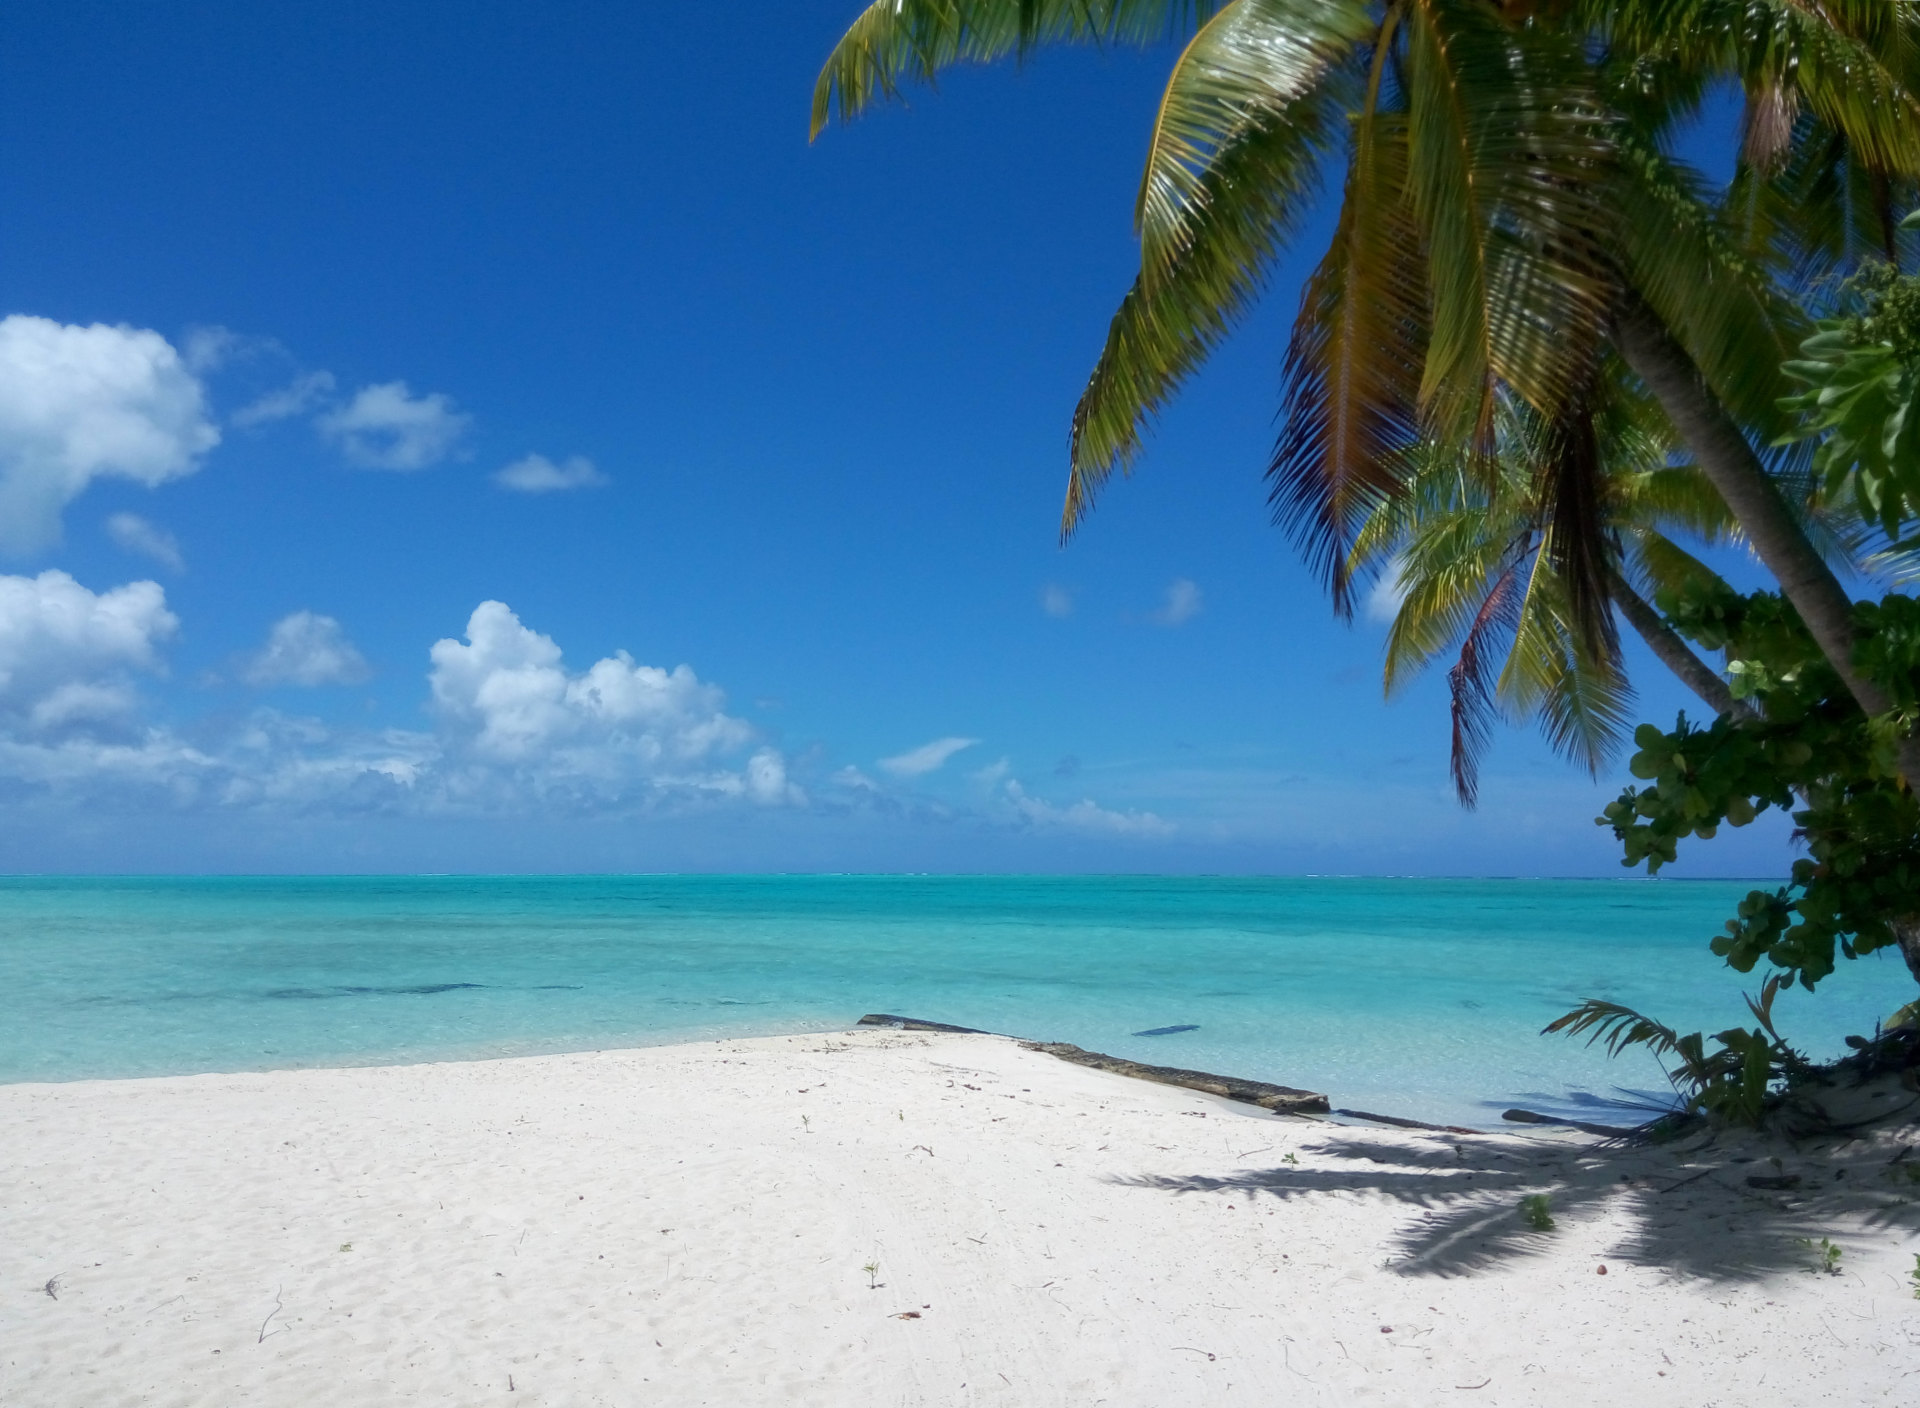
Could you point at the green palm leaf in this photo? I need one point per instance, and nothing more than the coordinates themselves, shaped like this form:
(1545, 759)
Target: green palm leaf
(1352, 375)
(1247, 65)
(1507, 160)
(899, 40)
(1251, 198)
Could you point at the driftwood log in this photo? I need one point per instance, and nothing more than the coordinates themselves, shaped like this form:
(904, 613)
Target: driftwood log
(1280, 1099)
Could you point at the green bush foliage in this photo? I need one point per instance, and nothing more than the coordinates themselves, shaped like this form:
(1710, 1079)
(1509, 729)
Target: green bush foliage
(1809, 750)
(1862, 403)
(1806, 747)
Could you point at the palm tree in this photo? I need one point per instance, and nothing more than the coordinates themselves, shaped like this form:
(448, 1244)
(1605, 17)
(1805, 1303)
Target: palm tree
(1509, 212)
(1466, 550)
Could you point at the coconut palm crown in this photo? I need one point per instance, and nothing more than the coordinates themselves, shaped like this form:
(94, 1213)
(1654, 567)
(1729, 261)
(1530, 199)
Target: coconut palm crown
(1510, 209)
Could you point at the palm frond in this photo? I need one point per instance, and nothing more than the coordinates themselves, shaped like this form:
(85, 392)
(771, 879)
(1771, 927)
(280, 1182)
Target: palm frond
(1444, 574)
(1253, 59)
(1252, 195)
(1656, 564)
(1350, 386)
(1507, 163)
(1473, 702)
(1615, 1025)
(1822, 212)
(896, 41)
(1583, 703)
(1678, 498)
(1847, 69)
(1692, 271)
(1569, 496)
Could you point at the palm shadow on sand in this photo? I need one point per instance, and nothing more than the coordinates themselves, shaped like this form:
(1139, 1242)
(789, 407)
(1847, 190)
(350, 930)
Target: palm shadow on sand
(1689, 1206)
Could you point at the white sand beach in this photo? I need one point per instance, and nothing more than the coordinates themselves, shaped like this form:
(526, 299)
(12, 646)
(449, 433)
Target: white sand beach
(893, 1218)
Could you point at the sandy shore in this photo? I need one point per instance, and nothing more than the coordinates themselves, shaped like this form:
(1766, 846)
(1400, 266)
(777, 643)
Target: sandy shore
(897, 1219)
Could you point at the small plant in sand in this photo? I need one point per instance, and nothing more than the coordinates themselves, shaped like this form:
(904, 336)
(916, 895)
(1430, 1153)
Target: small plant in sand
(1914, 1276)
(1826, 1255)
(1535, 1210)
(806, 1124)
(1732, 1084)
(1289, 1158)
(872, 1269)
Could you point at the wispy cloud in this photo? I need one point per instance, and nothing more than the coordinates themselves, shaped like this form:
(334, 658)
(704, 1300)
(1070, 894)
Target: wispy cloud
(928, 757)
(1181, 605)
(1084, 815)
(308, 650)
(306, 393)
(536, 474)
(992, 773)
(1056, 601)
(134, 534)
(388, 427)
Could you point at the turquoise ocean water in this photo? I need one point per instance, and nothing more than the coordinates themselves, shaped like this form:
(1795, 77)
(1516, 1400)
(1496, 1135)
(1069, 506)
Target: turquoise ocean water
(1417, 997)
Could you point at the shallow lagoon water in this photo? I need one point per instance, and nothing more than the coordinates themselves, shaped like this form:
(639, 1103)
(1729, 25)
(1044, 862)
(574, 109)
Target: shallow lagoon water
(1416, 997)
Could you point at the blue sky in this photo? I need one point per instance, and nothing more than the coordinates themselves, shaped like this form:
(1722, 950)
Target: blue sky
(305, 299)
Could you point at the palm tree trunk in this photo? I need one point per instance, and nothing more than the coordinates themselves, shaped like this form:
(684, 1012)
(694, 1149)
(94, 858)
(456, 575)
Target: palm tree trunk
(1906, 932)
(1673, 652)
(1721, 450)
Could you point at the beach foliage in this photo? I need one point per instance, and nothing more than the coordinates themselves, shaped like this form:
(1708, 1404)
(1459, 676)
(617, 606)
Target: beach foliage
(1534, 1207)
(1826, 1254)
(1861, 408)
(1731, 1083)
(1802, 743)
(1469, 555)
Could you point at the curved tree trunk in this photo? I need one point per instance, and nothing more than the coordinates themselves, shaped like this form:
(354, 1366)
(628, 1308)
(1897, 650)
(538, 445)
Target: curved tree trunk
(1907, 933)
(1721, 450)
(1673, 652)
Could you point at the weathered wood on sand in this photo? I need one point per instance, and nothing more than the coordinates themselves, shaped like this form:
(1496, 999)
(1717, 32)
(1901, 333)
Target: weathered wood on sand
(1280, 1099)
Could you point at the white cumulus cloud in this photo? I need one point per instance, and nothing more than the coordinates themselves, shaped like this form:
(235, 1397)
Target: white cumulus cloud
(928, 757)
(83, 403)
(507, 701)
(136, 535)
(514, 730)
(67, 654)
(1182, 604)
(306, 649)
(388, 427)
(536, 474)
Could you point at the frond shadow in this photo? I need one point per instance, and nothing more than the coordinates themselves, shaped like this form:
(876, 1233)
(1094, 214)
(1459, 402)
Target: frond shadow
(1689, 1208)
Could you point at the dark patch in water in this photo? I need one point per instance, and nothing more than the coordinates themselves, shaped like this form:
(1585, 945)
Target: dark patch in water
(1469, 1002)
(1169, 1031)
(406, 990)
(312, 994)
